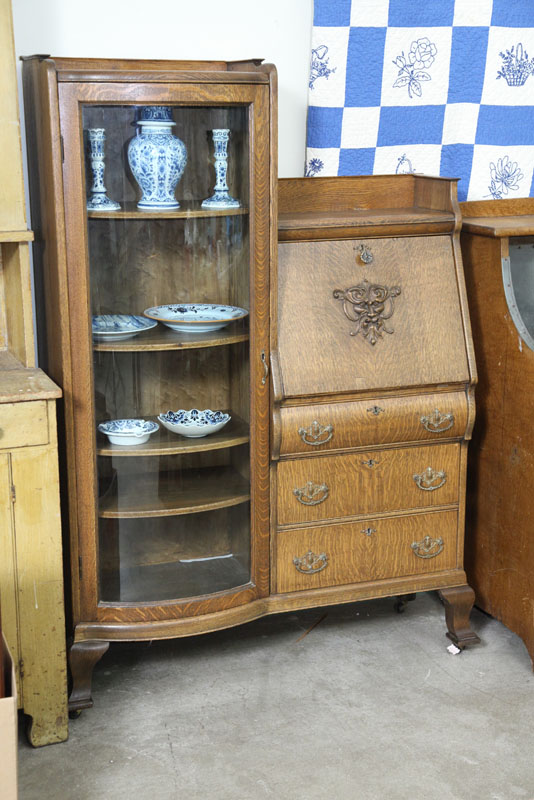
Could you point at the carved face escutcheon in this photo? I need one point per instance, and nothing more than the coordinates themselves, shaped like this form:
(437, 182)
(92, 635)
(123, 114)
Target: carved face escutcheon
(369, 305)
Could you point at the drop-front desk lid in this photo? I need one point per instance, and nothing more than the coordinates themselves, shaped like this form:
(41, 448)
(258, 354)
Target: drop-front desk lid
(372, 312)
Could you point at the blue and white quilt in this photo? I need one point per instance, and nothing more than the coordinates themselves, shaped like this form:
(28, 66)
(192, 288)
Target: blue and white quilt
(441, 87)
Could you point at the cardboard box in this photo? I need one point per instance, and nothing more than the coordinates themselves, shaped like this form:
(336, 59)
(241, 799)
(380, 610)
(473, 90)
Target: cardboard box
(8, 731)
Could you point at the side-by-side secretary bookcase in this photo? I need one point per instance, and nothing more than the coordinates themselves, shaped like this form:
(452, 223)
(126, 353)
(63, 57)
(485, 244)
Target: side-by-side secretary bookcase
(178, 535)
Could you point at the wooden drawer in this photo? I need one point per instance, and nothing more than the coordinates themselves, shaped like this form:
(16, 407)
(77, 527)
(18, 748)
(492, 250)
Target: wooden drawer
(23, 424)
(366, 550)
(362, 423)
(367, 483)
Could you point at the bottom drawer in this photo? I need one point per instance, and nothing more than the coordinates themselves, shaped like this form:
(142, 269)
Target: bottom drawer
(332, 555)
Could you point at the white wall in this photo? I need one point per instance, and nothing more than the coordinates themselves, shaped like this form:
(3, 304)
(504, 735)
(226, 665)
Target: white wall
(278, 31)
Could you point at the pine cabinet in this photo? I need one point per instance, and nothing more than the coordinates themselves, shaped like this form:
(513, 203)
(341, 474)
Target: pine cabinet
(31, 565)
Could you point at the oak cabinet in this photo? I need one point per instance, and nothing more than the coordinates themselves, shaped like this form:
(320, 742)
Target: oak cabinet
(168, 536)
(373, 405)
(498, 253)
(341, 473)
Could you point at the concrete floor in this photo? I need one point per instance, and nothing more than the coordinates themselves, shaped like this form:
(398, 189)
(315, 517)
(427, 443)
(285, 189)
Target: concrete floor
(369, 705)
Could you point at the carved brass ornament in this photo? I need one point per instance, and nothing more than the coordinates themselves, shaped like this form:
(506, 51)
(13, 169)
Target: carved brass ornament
(368, 531)
(312, 494)
(365, 254)
(316, 433)
(375, 410)
(437, 422)
(427, 480)
(428, 547)
(369, 305)
(310, 562)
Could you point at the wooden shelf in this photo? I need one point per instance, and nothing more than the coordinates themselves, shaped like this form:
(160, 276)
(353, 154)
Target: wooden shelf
(163, 442)
(16, 236)
(163, 338)
(175, 580)
(187, 210)
(186, 492)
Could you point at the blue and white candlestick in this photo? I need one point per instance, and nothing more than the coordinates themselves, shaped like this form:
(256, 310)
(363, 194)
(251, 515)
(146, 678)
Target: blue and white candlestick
(98, 199)
(221, 197)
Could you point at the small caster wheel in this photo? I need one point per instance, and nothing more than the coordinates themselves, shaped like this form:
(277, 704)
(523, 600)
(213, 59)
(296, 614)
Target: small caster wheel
(401, 601)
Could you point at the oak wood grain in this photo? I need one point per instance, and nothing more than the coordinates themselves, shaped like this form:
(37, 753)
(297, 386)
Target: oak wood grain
(367, 482)
(362, 423)
(162, 338)
(499, 546)
(353, 556)
(238, 96)
(426, 316)
(170, 494)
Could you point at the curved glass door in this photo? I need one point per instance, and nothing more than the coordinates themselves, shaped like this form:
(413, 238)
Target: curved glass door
(518, 280)
(168, 233)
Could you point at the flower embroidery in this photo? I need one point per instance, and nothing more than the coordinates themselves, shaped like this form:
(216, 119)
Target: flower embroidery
(313, 166)
(319, 64)
(504, 175)
(404, 166)
(412, 69)
(516, 67)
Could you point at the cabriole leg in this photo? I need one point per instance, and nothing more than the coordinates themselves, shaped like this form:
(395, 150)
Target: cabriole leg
(82, 659)
(458, 602)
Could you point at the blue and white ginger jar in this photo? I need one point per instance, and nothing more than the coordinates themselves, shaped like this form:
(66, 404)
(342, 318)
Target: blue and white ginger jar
(157, 158)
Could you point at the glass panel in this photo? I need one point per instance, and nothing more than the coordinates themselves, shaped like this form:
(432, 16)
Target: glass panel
(519, 285)
(167, 192)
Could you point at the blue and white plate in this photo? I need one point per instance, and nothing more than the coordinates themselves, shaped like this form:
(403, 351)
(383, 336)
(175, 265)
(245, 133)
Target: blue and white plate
(194, 423)
(128, 431)
(115, 327)
(195, 317)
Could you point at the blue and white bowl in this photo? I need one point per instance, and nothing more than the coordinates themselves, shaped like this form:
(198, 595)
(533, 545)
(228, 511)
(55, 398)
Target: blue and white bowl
(194, 423)
(115, 327)
(128, 431)
(195, 317)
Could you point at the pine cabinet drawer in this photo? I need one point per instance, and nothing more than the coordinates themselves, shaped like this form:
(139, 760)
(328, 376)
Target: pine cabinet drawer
(367, 550)
(367, 482)
(23, 424)
(363, 423)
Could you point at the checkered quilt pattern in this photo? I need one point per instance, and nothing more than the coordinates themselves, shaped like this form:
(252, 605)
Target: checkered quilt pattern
(441, 87)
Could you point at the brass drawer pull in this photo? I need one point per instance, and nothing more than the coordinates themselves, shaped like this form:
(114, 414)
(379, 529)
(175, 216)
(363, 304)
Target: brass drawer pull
(310, 563)
(365, 254)
(376, 410)
(316, 434)
(312, 494)
(428, 547)
(427, 480)
(437, 422)
(368, 531)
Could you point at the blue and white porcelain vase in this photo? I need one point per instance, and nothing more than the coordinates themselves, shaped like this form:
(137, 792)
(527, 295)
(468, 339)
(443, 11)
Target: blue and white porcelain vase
(98, 199)
(221, 197)
(157, 158)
